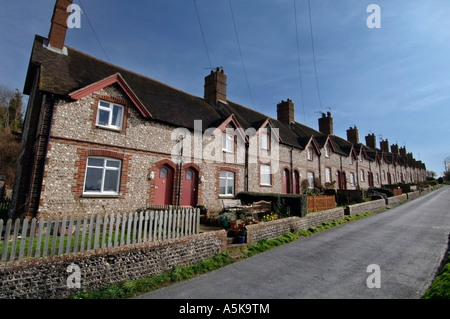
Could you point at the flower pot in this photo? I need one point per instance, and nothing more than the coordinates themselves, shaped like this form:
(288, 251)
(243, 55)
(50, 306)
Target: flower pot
(240, 239)
(235, 232)
(232, 224)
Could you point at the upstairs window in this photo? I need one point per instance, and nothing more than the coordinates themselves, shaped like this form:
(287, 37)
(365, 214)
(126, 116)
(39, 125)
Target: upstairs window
(228, 143)
(327, 151)
(265, 141)
(362, 176)
(310, 154)
(102, 176)
(110, 115)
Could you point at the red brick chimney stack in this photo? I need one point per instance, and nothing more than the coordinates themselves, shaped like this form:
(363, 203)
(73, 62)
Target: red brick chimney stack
(216, 86)
(384, 146)
(58, 29)
(326, 124)
(286, 112)
(353, 135)
(394, 149)
(371, 141)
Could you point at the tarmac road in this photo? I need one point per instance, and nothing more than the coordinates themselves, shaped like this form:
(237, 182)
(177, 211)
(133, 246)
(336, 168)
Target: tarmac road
(396, 252)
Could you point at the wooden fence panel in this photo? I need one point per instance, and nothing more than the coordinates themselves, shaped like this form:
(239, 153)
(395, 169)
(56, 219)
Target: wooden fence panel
(319, 203)
(69, 234)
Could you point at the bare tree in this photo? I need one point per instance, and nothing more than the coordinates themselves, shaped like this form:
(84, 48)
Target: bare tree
(11, 104)
(431, 174)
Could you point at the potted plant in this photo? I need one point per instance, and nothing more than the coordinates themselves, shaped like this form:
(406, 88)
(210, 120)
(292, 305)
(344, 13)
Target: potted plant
(241, 238)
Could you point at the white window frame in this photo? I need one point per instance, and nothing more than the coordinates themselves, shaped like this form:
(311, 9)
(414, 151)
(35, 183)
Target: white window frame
(310, 180)
(352, 179)
(310, 154)
(362, 175)
(105, 168)
(229, 178)
(105, 106)
(265, 141)
(266, 175)
(327, 175)
(228, 142)
(327, 151)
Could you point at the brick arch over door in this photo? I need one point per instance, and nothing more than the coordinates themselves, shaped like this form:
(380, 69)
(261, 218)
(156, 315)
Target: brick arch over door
(164, 183)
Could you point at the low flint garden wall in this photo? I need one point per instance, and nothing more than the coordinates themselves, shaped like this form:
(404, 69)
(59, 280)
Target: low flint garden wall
(365, 207)
(276, 228)
(413, 195)
(396, 199)
(53, 277)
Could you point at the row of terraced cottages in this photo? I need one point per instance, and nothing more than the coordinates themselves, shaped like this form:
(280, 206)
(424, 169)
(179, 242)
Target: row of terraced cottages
(98, 138)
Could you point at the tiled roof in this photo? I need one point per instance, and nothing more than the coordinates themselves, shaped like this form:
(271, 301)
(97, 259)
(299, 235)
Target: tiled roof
(64, 74)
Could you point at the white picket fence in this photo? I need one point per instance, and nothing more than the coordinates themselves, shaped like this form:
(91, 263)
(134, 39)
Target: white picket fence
(69, 234)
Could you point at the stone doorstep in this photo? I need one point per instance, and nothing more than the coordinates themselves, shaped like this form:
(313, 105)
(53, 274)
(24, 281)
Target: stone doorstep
(236, 250)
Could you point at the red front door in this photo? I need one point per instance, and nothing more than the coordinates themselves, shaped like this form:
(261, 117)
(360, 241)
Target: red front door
(286, 181)
(190, 188)
(296, 182)
(164, 186)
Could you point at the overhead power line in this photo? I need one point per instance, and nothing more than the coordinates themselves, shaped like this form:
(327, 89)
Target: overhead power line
(93, 31)
(203, 35)
(240, 53)
(299, 62)
(314, 52)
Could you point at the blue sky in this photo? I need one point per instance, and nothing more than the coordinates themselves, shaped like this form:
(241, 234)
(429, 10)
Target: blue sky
(392, 81)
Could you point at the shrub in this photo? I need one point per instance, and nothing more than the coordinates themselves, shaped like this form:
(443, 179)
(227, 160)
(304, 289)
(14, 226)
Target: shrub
(286, 204)
(387, 191)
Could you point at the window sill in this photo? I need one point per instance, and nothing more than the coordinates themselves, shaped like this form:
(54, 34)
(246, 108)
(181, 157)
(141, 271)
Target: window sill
(106, 128)
(265, 185)
(100, 196)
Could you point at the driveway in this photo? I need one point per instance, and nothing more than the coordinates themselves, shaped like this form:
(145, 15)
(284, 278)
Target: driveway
(391, 255)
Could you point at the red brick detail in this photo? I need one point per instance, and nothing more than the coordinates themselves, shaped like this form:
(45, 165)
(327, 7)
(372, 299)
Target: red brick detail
(81, 162)
(155, 168)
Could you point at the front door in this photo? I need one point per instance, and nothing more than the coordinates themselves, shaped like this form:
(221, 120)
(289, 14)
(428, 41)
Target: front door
(286, 181)
(164, 186)
(190, 188)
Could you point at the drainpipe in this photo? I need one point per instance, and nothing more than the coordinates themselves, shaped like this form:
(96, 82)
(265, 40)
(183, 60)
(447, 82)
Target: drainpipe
(44, 156)
(246, 168)
(320, 171)
(357, 173)
(179, 171)
(291, 179)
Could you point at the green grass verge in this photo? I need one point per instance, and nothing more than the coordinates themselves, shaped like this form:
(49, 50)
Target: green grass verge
(131, 288)
(440, 287)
